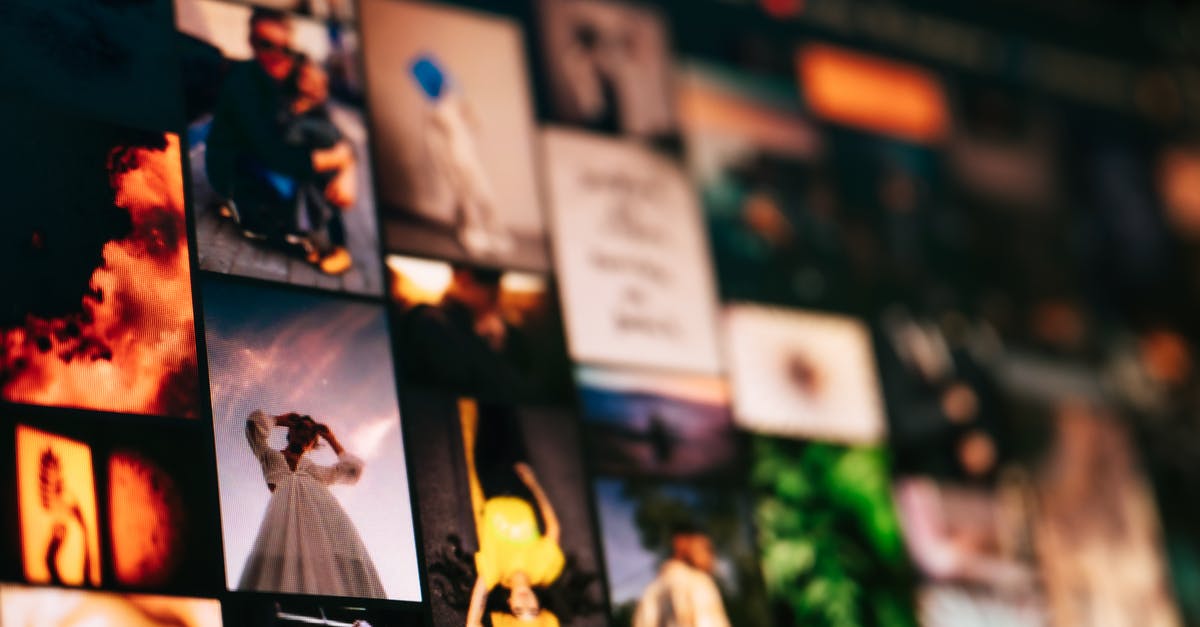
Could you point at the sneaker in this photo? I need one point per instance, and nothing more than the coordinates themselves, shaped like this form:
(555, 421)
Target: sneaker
(226, 209)
(336, 262)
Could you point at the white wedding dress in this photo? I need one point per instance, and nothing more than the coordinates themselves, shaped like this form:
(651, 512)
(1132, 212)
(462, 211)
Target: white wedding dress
(306, 544)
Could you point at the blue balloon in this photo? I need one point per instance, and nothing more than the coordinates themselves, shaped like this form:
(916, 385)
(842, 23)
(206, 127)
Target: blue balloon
(429, 76)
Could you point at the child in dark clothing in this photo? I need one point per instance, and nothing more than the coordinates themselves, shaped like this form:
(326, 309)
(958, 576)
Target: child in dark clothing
(305, 123)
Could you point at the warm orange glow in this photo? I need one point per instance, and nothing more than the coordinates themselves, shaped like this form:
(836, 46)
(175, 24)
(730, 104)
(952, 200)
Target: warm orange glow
(713, 108)
(418, 281)
(51, 607)
(1179, 180)
(424, 282)
(146, 519)
(874, 94)
(57, 501)
(137, 350)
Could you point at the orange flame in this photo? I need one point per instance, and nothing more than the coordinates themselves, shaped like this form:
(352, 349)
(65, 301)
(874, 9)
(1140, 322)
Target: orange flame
(133, 348)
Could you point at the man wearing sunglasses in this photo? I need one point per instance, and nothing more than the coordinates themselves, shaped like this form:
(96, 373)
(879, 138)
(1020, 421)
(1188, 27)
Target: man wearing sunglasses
(248, 161)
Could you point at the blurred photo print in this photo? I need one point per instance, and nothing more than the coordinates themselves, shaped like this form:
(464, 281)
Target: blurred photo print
(965, 502)
(803, 374)
(829, 538)
(664, 425)
(453, 123)
(99, 506)
(771, 216)
(631, 254)
(310, 458)
(49, 607)
(480, 332)
(679, 554)
(608, 66)
(280, 163)
(505, 514)
(97, 307)
(1097, 533)
(333, 10)
(671, 496)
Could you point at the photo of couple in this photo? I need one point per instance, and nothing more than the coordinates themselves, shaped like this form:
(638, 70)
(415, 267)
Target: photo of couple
(278, 147)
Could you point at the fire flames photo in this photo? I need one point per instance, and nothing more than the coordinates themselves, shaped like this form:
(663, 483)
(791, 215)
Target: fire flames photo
(100, 314)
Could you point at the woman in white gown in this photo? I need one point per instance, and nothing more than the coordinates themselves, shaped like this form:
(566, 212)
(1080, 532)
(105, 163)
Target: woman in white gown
(306, 544)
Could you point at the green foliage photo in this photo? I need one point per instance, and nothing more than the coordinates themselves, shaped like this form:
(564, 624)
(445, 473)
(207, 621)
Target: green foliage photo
(831, 545)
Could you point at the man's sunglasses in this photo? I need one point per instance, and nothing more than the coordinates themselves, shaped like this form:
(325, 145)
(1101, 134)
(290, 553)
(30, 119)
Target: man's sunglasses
(262, 44)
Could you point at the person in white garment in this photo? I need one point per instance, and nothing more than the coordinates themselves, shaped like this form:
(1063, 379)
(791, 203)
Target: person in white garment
(306, 544)
(450, 137)
(684, 594)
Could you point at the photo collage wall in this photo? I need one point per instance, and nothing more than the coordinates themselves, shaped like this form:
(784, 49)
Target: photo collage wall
(580, 313)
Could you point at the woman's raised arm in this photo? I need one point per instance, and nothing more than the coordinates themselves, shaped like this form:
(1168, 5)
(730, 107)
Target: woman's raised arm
(525, 472)
(478, 603)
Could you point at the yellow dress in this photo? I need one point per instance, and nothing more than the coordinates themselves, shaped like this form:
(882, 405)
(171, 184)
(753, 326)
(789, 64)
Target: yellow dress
(510, 543)
(509, 538)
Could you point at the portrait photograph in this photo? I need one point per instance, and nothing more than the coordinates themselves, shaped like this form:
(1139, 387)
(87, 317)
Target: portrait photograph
(481, 332)
(452, 118)
(505, 513)
(632, 254)
(310, 459)
(803, 374)
(680, 553)
(59, 529)
(608, 66)
(97, 308)
(99, 506)
(278, 147)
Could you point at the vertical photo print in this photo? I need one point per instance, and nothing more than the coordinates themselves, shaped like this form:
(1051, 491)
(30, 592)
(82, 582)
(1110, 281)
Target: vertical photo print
(964, 501)
(675, 521)
(830, 541)
(505, 514)
(97, 307)
(1097, 533)
(311, 464)
(60, 539)
(608, 66)
(771, 216)
(49, 607)
(454, 146)
(631, 254)
(480, 332)
(120, 508)
(280, 163)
